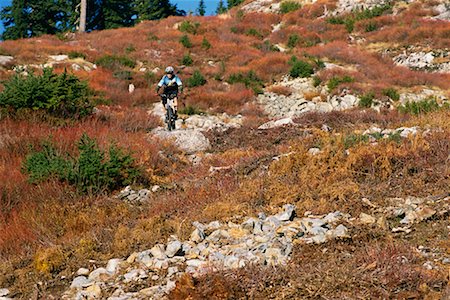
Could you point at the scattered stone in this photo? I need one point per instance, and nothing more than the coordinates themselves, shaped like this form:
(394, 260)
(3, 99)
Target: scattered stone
(113, 265)
(80, 282)
(366, 219)
(189, 140)
(99, 275)
(4, 292)
(83, 271)
(197, 235)
(173, 248)
(6, 60)
(158, 251)
(277, 123)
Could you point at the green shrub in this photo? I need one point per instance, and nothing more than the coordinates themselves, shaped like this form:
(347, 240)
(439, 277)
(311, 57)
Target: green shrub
(250, 79)
(75, 54)
(152, 37)
(300, 68)
(130, 48)
(254, 32)
(293, 40)
(190, 110)
(371, 26)
(366, 100)
(420, 107)
(316, 81)
(391, 93)
(266, 46)
(288, 6)
(185, 41)
(336, 80)
(123, 75)
(350, 20)
(115, 62)
(205, 44)
(349, 24)
(92, 171)
(187, 60)
(196, 79)
(189, 27)
(62, 95)
(234, 29)
(354, 139)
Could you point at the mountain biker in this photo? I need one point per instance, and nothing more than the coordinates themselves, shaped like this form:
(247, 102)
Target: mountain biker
(172, 86)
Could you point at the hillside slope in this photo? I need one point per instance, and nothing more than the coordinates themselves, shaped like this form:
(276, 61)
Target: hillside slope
(311, 159)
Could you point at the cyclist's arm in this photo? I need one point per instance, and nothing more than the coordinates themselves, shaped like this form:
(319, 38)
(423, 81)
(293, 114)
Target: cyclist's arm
(160, 84)
(180, 84)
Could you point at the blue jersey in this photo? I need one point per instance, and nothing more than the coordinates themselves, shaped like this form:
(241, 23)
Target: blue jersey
(173, 83)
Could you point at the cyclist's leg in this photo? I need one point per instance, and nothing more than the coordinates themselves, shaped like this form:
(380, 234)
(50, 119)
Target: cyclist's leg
(175, 107)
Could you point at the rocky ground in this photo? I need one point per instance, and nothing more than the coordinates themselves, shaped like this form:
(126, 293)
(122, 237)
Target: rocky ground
(264, 240)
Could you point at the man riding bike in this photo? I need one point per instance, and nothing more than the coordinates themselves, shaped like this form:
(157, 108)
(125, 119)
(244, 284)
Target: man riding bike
(172, 87)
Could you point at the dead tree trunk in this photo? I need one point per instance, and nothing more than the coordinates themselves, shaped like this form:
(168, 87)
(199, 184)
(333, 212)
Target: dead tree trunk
(83, 11)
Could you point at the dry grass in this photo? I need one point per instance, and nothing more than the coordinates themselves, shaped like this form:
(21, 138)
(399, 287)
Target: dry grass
(49, 230)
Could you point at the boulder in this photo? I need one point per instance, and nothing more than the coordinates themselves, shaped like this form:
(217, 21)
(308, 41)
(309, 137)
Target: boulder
(6, 60)
(173, 248)
(100, 274)
(158, 251)
(189, 140)
(80, 282)
(113, 265)
(277, 123)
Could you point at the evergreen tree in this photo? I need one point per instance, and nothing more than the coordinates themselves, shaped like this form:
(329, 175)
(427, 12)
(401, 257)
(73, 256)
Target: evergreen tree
(201, 10)
(34, 17)
(221, 8)
(15, 20)
(156, 9)
(232, 3)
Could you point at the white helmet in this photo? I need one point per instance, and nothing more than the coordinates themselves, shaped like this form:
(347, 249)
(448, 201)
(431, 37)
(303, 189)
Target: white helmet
(169, 70)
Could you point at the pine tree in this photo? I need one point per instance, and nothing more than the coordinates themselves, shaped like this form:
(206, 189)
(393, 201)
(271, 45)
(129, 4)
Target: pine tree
(34, 17)
(221, 8)
(201, 10)
(232, 3)
(156, 9)
(15, 20)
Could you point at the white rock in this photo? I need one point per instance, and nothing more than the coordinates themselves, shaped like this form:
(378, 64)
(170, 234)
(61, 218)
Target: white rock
(277, 123)
(155, 188)
(131, 88)
(366, 219)
(6, 59)
(80, 282)
(158, 251)
(83, 271)
(188, 140)
(172, 248)
(314, 151)
(197, 235)
(197, 263)
(58, 58)
(112, 265)
(99, 275)
(4, 292)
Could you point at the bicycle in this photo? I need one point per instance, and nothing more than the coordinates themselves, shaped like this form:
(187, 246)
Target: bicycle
(169, 102)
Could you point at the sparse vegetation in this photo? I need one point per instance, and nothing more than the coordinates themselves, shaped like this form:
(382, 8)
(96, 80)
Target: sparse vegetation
(289, 6)
(366, 100)
(391, 93)
(419, 107)
(91, 172)
(115, 62)
(62, 95)
(197, 79)
(53, 226)
(187, 60)
(189, 27)
(250, 79)
(186, 41)
(300, 68)
(336, 81)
